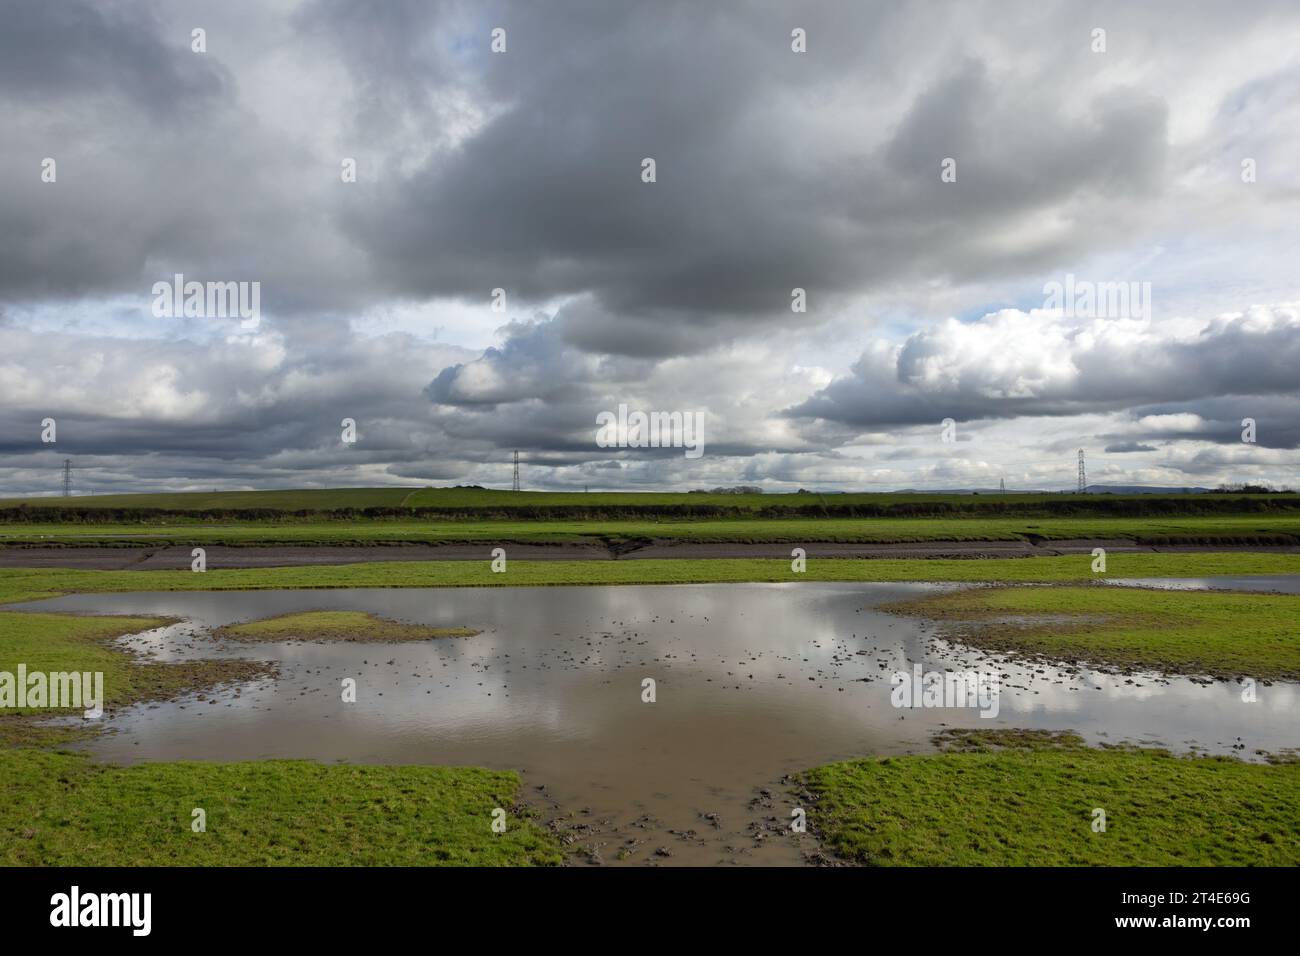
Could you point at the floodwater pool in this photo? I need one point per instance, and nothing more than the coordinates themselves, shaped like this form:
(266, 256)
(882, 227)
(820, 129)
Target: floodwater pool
(752, 682)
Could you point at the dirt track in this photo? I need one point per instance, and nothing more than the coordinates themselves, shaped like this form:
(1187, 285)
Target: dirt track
(220, 556)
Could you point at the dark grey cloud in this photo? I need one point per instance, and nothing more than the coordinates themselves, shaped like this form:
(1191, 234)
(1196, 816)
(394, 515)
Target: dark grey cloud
(521, 170)
(1126, 447)
(1221, 420)
(751, 200)
(50, 52)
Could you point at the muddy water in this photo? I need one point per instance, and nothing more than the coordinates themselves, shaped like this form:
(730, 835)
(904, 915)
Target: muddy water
(752, 682)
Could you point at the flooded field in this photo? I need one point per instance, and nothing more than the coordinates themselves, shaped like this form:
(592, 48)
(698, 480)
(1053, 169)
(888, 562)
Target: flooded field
(752, 682)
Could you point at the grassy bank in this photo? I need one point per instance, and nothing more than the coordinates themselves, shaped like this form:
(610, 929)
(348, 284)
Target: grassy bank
(66, 643)
(1033, 806)
(1247, 528)
(17, 584)
(336, 626)
(63, 810)
(1211, 633)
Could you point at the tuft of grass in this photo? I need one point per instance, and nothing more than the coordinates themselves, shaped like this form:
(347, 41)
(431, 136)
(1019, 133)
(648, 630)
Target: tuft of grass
(336, 626)
(999, 804)
(988, 740)
(1212, 633)
(64, 810)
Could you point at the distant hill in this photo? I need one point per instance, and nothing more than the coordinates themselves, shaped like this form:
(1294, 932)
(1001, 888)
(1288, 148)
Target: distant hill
(1145, 490)
(1092, 490)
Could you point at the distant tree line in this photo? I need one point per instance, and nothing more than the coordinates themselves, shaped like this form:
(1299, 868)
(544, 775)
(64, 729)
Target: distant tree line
(1240, 489)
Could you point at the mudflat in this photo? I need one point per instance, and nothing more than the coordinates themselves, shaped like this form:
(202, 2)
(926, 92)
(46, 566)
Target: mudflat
(178, 557)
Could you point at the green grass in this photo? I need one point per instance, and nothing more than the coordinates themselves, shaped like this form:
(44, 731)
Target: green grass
(65, 642)
(336, 626)
(1034, 807)
(68, 643)
(1191, 529)
(18, 584)
(1212, 633)
(64, 810)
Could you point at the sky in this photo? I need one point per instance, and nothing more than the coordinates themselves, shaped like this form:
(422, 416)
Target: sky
(882, 245)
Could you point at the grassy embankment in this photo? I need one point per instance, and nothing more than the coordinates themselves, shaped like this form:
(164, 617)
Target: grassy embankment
(1227, 529)
(1032, 804)
(449, 515)
(19, 584)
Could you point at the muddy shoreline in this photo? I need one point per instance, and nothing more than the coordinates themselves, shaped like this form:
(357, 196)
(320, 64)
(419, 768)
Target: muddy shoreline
(178, 557)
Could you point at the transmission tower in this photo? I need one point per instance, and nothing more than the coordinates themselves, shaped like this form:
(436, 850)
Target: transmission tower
(1083, 476)
(1002, 485)
(67, 477)
(516, 471)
